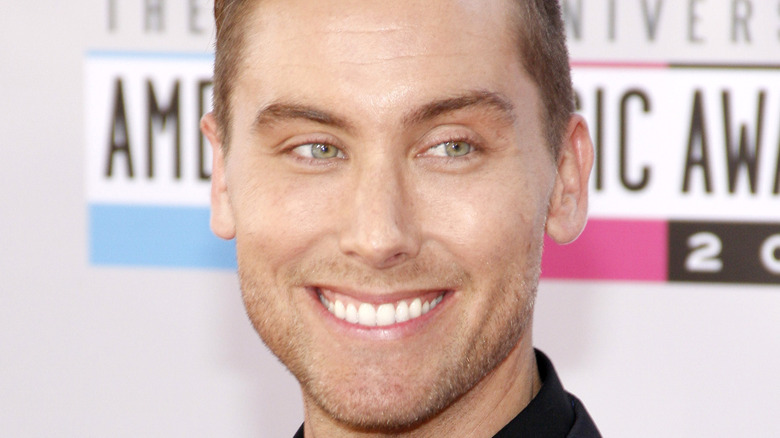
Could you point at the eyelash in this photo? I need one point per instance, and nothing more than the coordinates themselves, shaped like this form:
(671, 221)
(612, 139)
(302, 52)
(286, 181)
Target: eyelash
(290, 150)
(473, 143)
(313, 145)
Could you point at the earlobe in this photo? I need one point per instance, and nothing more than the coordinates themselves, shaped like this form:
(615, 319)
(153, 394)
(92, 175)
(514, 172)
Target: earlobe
(568, 209)
(222, 222)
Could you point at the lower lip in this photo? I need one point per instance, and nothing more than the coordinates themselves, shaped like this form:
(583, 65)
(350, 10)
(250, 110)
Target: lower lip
(386, 332)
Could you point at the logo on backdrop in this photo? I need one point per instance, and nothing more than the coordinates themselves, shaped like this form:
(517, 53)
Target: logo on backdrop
(685, 186)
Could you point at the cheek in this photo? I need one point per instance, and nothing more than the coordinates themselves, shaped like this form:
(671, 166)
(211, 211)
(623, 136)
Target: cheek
(489, 224)
(279, 216)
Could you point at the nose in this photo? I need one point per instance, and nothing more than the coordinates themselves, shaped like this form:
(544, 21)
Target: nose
(379, 225)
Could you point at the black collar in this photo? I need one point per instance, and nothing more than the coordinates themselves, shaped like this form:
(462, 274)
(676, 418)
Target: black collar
(550, 413)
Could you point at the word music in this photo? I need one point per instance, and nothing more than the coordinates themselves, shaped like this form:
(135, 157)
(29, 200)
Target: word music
(748, 152)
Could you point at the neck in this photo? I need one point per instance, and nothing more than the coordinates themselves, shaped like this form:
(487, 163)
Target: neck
(481, 412)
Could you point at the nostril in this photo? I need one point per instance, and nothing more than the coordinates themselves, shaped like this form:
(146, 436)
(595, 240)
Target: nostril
(395, 259)
(379, 251)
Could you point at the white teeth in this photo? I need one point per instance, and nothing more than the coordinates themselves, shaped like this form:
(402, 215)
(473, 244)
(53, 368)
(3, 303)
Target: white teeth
(339, 310)
(352, 314)
(367, 315)
(385, 314)
(402, 312)
(415, 309)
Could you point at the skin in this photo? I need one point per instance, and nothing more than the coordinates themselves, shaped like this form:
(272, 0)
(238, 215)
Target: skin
(390, 216)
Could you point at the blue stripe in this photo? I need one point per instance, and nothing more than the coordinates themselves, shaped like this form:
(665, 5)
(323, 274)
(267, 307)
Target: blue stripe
(141, 54)
(139, 235)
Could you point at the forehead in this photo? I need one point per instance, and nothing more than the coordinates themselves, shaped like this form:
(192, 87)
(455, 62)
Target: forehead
(381, 51)
(405, 21)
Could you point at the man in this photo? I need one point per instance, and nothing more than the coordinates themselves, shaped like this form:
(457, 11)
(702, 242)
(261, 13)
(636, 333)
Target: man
(388, 170)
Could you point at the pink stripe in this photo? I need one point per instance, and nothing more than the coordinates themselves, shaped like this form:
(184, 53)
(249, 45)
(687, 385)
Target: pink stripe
(618, 64)
(611, 249)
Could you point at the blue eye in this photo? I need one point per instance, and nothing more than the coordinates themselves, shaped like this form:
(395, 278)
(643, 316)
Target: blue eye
(318, 151)
(451, 149)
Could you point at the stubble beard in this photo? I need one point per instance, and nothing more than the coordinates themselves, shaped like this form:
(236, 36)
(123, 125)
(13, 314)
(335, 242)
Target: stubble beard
(366, 394)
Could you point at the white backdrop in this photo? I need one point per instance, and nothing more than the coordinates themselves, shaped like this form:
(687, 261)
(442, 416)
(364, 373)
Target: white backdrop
(96, 347)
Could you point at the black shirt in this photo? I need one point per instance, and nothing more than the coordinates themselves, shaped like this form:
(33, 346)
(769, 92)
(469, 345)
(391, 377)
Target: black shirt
(553, 413)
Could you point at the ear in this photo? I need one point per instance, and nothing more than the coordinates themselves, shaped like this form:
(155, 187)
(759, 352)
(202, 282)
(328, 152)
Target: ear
(222, 222)
(568, 209)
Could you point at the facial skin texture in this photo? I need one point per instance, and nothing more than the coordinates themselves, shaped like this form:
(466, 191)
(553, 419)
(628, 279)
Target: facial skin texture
(389, 216)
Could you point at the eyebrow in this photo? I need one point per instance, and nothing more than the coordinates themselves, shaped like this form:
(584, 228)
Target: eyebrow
(477, 98)
(280, 111)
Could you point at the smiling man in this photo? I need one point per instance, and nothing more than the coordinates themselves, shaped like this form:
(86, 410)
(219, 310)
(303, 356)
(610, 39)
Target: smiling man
(388, 170)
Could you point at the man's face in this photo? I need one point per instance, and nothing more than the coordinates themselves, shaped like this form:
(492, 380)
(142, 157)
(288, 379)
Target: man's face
(387, 183)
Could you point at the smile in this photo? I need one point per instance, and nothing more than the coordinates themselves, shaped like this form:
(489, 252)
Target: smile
(372, 315)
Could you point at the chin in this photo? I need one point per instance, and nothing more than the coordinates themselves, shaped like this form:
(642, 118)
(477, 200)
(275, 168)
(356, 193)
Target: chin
(390, 408)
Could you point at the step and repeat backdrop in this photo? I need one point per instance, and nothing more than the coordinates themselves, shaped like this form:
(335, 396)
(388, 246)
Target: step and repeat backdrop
(681, 97)
(664, 316)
